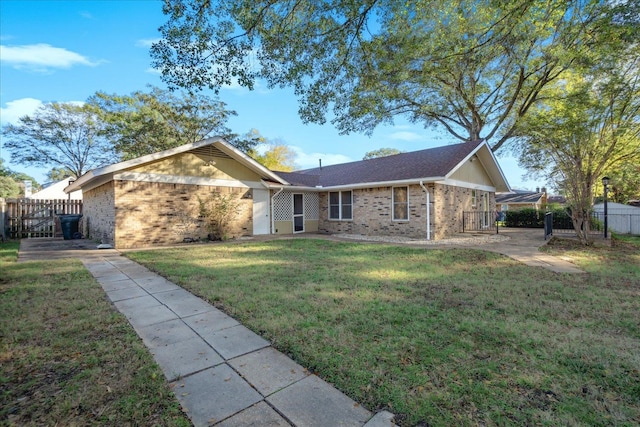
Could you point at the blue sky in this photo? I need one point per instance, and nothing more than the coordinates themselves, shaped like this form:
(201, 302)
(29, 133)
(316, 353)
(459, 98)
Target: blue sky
(67, 50)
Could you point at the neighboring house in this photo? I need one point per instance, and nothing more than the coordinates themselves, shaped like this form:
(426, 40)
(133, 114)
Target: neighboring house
(55, 191)
(153, 200)
(519, 199)
(623, 219)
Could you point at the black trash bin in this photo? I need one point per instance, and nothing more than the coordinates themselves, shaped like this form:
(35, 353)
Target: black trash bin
(69, 225)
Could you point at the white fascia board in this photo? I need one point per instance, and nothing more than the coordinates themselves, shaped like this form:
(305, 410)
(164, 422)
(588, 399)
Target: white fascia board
(357, 186)
(92, 183)
(187, 180)
(464, 184)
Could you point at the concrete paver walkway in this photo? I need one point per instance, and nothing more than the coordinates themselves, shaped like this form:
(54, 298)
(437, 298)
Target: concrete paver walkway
(221, 372)
(523, 245)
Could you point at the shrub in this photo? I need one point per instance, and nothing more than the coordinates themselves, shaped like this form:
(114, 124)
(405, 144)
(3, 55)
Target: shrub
(218, 212)
(531, 218)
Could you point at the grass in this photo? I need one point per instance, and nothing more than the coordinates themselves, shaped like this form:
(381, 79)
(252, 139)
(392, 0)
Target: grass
(438, 337)
(67, 357)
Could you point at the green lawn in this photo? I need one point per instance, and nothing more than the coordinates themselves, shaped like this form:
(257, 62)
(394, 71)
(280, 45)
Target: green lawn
(439, 337)
(67, 358)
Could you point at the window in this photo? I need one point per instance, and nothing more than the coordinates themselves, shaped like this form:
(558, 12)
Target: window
(340, 205)
(401, 203)
(474, 199)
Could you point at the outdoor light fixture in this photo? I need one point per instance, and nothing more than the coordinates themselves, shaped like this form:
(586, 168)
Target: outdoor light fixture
(605, 183)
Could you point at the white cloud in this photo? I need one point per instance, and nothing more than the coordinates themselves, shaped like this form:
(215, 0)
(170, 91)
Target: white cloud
(406, 136)
(311, 160)
(153, 71)
(41, 57)
(18, 108)
(86, 15)
(24, 107)
(147, 42)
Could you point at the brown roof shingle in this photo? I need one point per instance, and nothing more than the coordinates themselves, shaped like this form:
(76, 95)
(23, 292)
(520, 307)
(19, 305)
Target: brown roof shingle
(432, 162)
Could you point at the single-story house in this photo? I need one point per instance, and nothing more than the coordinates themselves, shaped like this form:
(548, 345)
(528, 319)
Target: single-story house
(519, 199)
(621, 218)
(55, 191)
(154, 199)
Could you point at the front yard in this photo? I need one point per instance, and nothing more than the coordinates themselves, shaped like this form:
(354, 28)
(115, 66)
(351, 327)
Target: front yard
(67, 358)
(439, 337)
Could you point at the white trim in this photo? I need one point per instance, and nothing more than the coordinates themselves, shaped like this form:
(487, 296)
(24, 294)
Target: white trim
(465, 184)
(189, 180)
(412, 181)
(340, 218)
(393, 204)
(294, 214)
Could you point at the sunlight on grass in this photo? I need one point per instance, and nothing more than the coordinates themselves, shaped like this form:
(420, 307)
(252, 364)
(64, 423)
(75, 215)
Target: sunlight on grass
(68, 357)
(439, 337)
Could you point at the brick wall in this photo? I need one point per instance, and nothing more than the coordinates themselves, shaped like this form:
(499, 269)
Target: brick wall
(372, 212)
(451, 202)
(98, 220)
(151, 214)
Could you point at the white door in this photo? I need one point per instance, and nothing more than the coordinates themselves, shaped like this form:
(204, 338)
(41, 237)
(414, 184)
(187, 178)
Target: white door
(261, 219)
(298, 213)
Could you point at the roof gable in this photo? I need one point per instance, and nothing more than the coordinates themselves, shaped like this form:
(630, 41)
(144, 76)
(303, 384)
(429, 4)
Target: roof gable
(222, 148)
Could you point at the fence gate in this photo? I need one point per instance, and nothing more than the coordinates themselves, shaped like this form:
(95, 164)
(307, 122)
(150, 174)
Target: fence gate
(25, 218)
(479, 221)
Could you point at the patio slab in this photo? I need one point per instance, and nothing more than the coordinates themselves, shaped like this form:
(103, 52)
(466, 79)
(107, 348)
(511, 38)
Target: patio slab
(148, 316)
(214, 394)
(115, 286)
(234, 341)
(154, 284)
(183, 303)
(268, 370)
(166, 333)
(312, 402)
(186, 357)
(212, 320)
(257, 415)
(126, 293)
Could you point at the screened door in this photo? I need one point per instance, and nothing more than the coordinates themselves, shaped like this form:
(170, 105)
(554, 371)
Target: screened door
(298, 213)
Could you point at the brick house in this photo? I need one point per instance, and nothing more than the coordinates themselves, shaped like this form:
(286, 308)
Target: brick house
(153, 200)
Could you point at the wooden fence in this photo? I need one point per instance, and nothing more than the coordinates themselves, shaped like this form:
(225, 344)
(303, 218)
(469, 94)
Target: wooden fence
(26, 218)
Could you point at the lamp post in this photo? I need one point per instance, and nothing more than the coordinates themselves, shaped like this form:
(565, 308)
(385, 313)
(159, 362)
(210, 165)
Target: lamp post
(605, 183)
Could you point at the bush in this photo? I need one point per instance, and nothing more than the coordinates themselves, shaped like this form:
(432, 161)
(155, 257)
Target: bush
(524, 218)
(531, 218)
(218, 212)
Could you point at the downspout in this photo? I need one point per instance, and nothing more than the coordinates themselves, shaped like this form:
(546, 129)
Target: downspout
(428, 210)
(273, 221)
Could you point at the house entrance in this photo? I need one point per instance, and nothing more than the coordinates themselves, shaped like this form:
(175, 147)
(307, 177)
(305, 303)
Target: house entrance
(298, 213)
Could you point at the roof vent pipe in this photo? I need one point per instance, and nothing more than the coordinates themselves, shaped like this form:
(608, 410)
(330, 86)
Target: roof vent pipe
(320, 162)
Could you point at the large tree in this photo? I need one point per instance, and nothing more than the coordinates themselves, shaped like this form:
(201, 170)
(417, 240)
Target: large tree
(147, 122)
(472, 67)
(591, 127)
(60, 135)
(277, 157)
(381, 152)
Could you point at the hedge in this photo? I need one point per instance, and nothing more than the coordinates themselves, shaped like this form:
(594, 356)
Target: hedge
(531, 218)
